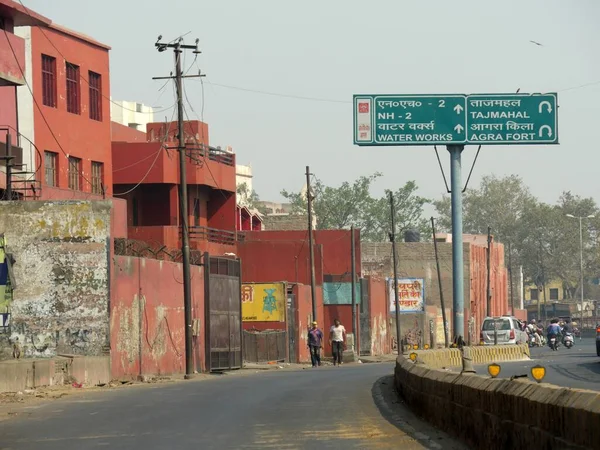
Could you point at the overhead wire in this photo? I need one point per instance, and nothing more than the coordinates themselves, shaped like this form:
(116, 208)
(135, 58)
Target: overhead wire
(42, 112)
(85, 80)
(162, 147)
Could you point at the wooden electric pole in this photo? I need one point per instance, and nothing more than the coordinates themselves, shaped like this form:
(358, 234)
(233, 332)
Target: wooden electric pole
(178, 48)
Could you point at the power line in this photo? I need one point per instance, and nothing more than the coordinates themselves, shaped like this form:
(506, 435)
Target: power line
(276, 94)
(84, 79)
(162, 147)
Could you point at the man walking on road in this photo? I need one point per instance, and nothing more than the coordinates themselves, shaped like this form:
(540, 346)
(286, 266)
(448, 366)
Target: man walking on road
(315, 342)
(337, 337)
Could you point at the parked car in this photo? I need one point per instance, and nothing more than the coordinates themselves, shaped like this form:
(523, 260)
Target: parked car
(598, 339)
(508, 329)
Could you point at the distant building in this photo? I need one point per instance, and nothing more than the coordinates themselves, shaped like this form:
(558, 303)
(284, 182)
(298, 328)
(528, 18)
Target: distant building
(131, 114)
(243, 175)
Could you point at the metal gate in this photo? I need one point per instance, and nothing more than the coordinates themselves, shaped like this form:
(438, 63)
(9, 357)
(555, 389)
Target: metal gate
(223, 313)
(291, 326)
(265, 346)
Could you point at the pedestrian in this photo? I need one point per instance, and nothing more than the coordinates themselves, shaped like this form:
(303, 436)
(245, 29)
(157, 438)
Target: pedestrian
(337, 338)
(315, 342)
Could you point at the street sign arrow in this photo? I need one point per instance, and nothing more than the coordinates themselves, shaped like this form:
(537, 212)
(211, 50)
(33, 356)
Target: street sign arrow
(458, 128)
(458, 109)
(545, 103)
(545, 127)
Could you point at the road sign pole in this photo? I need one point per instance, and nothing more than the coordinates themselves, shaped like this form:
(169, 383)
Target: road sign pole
(458, 322)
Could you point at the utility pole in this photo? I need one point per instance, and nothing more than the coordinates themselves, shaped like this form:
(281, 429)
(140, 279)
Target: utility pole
(353, 269)
(395, 260)
(313, 289)
(439, 274)
(489, 288)
(510, 279)
(178, 48)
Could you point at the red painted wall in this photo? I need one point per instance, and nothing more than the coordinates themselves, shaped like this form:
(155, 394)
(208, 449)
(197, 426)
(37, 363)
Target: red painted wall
(332, 312)
(122, 133)
(336, 246)
(379, 316)
(8, 113)
(147, 319)
(270, 261)
(498, 281)
(78, 135)
(12, 69)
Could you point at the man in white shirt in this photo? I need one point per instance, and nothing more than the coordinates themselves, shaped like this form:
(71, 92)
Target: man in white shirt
(337, 337)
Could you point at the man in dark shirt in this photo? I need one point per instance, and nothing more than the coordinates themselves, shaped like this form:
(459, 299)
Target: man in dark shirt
(315, 342)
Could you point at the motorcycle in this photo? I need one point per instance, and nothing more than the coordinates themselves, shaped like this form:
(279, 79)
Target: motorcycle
(553, 344)
(568, 340)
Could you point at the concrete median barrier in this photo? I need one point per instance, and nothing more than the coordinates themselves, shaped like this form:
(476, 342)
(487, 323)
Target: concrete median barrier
(499, 414)
(452, 357)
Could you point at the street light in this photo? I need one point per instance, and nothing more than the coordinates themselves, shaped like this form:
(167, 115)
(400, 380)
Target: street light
(581, 255)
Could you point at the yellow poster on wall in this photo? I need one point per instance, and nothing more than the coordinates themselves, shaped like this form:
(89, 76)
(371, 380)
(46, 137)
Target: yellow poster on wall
(263, 302)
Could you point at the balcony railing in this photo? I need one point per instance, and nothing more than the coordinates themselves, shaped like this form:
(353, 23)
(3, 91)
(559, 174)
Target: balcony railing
(212, 235)
(213, 154)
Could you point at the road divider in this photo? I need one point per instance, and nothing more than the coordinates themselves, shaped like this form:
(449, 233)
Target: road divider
(492, 413)
(452, 357)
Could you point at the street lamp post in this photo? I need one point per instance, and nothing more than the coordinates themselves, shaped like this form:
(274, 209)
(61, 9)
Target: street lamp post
(581, 256)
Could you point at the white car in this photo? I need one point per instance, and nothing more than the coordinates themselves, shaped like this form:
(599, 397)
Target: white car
(508, 330)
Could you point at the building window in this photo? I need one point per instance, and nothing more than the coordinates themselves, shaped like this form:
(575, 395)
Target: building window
(553, 293)
(197, 212)
(134, 212)
(95, 96)
(533, 293)
(50, 168)
(74, 173)
(73, 89)
(97, 177)
(49, 80)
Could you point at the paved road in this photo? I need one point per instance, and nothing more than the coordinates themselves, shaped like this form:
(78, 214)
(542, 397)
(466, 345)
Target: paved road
(578, 367)
(326, 408)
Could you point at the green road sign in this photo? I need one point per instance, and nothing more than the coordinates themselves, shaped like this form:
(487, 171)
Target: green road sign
(455, 119)
(409, 119)
(512, 119)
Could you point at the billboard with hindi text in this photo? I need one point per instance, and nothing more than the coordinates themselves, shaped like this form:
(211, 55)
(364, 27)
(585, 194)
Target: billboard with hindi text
(263, 302)
(411, 295)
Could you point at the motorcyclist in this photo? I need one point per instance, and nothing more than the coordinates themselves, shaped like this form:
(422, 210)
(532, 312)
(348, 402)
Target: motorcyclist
(553, 329)
(532, 332)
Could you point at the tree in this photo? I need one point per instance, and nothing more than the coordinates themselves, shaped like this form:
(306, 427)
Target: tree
(352, 204)
(336, 208)
(409, 214)
(249, 198)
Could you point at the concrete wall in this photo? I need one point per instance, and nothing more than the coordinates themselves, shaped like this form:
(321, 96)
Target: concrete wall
(501, 413)
(147, 317)
(379, 323)
(18, 375)
(417, 259)
(62, 274)
(270, 261)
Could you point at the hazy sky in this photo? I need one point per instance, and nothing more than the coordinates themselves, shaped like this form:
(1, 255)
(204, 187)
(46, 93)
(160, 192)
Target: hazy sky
(335, 48)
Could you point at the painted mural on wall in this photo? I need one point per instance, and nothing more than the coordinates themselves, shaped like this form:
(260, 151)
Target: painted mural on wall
(411, 295)
(263, 302)
(7, 283)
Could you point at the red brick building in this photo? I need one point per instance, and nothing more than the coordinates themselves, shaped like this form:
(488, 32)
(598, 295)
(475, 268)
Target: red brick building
(66, 123)
(146, 174)
(13, 72)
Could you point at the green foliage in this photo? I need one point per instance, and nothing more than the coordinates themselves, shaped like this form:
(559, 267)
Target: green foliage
(543, 239)
(352, 204)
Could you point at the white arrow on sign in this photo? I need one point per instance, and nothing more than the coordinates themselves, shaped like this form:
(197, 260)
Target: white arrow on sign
(458, 109)
(547, 127)
(458, 128)
(542, 104)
